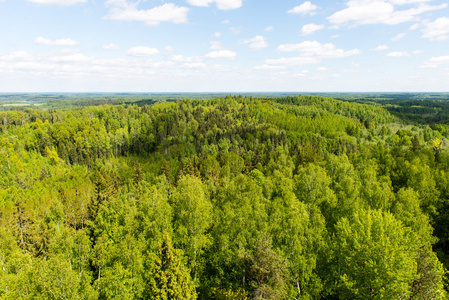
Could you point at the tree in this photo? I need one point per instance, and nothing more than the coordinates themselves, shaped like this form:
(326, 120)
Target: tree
(428, 283)
(375, 257)
(268, 273)
(298, 231)
(170, 279)
(192, 217)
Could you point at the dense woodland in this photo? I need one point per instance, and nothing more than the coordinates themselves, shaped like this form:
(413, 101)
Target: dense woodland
(231, 198)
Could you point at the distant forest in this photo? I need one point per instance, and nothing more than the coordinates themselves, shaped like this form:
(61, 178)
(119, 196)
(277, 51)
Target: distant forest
(252, 196)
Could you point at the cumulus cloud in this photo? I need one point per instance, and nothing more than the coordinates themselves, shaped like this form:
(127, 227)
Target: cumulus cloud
(58, 2)
(316, 49)
(402, 2)
(215, 45)
(69, 57)
(414, 26)
(311, 52)
(310, 28)
(398, 37)
(440, 60)
(110, 46)
(304, 9)
(169, 48)
(199, 2)
(256, 43)
(428, 66)
(227, 54)
(269, 67)
(228, 4)
(17, 56)
(74, 64)
(58, 42)
(221, 4)
(121, 10)
(397, 54)
(197, 65)
(437, 30)
(359, 12)
(293, 61)
(142, 51)
(269, 28)
(186, 59)
(381, 48)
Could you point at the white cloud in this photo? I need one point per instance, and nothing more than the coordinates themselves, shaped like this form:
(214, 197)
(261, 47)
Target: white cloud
(398, 37)
(437, 30)
(428, 66)
(142, 51)
(303, 9)
(416, 52)
(269, 67)
(414, 26)
(322, 69)
(269, 28)
(70, 64)
(222, 54)
(225, 22)
(17, 56)
(256, 43)
(58, 2)
(217, 34)
(434, 62)
(169, 49)
(200, 2)
(228, 4)
(310, 28)
(397, 54)
(186, 59)
(379, 12)
(381, 48)
(221, 4)
(194, 66)
(293, 61)
(123, 11)
(402, 2)
(58, 42)
(215, 45)
(316, 49)
(110, 46)
(440, 60)
(69, 57)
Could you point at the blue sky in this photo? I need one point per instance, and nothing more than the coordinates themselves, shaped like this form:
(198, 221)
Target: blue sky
(224, 46)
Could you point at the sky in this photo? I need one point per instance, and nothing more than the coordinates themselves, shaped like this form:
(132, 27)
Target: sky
(224, 46)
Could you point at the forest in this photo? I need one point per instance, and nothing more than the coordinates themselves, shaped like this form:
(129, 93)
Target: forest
(236, 197)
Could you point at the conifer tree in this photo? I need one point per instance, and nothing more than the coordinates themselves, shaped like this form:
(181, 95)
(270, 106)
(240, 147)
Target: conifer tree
(170, 278)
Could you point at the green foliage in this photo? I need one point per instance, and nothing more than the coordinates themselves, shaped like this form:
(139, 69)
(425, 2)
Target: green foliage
(268, 274)
(192, 217)
(231, 198)
(222, 294)
(170, 279)
(368, 247)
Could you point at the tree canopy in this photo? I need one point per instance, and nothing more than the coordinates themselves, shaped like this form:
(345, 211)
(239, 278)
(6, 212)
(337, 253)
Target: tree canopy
(299, 197)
